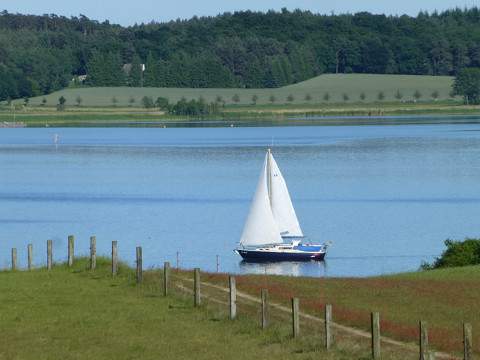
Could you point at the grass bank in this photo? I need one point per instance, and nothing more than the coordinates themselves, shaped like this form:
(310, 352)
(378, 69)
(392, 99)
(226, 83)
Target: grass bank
(76, 314)
(444, 298)
(355, 113)
(73, 313)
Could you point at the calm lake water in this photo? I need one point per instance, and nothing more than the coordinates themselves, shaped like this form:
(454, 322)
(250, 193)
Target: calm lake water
(386, 196)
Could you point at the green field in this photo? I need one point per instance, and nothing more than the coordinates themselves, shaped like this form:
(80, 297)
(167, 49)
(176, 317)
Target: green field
(335, 85)
(74, 313)
(444, 298)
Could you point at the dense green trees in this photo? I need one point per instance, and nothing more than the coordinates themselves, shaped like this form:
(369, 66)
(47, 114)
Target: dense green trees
(40, 54)
(193, 108)
(467, 84)
(105, 69)
(457, 253)
(135, 72)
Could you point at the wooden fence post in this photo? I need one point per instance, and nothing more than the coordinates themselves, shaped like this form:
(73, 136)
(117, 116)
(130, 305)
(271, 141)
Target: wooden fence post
(93, 252)
(328, 327)
(114, 258)
(178, 261)
(233, 297)
(166, 277)
(14, 259)
(265, 314)
(295, 317)
(139, 265)
(423, 341)
(71, 240)
(29, 256)
(218, 264)
(196, 285)
(375, 335)
(467, 342)
(49, 255)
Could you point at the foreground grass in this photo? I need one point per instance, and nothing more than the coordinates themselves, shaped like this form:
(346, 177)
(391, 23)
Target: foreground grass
(444, 298)
(72, 313)
(77, 314)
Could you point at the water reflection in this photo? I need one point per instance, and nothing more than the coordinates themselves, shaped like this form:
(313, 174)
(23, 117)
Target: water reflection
(290, 268)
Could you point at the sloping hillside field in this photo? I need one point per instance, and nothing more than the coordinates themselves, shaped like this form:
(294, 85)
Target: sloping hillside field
(342, 88)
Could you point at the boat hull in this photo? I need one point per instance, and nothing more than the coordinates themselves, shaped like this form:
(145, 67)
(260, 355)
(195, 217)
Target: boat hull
(255, 255)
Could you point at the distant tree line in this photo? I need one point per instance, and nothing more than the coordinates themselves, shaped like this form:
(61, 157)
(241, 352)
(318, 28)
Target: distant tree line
(40, 54)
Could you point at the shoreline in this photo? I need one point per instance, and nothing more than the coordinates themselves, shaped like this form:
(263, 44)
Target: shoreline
(241, 117)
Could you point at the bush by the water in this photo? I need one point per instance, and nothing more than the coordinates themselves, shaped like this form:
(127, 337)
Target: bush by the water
(458, 253)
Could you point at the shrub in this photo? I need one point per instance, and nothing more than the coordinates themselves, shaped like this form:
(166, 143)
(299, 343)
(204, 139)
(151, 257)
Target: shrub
(417, 95)
(197, 108)
(290, 98)
(254, 99)
(61, 103)
(345, 97)
(381, 96)
(308, 97)
(363, 96)
(326, 96)
(398, 95)
(147, 102)
(458, 253)
(162, 103)
(272, 98)
(236, 98)
(435, 95)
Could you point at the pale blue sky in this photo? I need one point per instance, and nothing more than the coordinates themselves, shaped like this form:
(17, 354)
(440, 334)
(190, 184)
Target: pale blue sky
(127, 12)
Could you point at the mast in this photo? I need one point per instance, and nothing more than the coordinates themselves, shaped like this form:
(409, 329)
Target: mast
(269, 176)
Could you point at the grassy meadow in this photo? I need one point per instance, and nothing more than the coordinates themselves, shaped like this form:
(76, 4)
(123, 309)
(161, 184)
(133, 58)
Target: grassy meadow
(444, 298)
(349, 95)
(335, 85)
(74, 313)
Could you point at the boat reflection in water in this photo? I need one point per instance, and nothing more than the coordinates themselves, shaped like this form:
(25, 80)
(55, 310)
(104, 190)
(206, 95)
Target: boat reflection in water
(287, 268)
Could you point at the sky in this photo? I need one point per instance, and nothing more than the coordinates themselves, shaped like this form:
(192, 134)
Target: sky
(128, 12)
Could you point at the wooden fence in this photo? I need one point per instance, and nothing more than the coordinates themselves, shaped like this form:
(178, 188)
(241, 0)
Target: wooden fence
(424, 351)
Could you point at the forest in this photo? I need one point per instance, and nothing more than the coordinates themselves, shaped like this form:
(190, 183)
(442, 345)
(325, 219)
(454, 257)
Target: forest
(41, 54)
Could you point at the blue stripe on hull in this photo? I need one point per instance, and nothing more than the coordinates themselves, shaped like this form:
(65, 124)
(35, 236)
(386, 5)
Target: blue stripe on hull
(252, 255)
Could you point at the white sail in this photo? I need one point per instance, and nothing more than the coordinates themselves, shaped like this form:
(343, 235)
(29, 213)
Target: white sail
(281, 204)
(260, 227)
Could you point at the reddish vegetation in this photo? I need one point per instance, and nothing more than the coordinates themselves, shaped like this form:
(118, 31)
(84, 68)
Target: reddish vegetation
(400, 301)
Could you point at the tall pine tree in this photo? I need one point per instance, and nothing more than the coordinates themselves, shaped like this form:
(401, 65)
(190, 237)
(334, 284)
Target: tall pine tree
(150, 76)
(135, 76)
(105, 69)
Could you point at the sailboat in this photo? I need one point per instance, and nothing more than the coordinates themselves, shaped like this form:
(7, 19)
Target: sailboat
(272, 231)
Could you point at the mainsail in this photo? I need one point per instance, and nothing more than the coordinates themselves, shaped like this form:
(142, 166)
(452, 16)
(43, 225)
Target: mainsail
(260, 227)
(271, 213)
(281, 203)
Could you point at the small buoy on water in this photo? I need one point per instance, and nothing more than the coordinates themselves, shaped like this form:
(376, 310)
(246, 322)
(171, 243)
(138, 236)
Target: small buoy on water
(231, 125)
